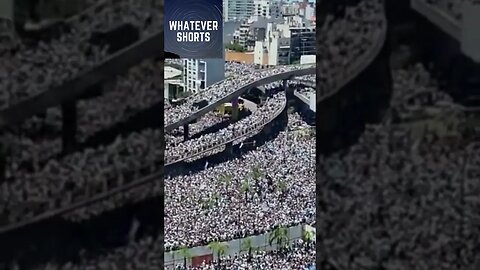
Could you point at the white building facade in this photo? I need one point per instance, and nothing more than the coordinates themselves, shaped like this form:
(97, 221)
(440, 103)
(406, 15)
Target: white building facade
(237, 10)
(173, 83)
(198, 74)
(241, 34)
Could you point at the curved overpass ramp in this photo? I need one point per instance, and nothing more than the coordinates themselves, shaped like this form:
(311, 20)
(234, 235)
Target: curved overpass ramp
(327, 91)
(309, 69)
(253, 129)
(111, 66)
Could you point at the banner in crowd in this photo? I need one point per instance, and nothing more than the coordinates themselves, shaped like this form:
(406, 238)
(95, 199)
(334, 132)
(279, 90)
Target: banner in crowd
(193, 29)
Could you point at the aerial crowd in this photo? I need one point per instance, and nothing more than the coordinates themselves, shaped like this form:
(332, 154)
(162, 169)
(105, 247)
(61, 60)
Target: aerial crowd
(408, 185)
(268, 186)
(33, 178)
(207, 194)
(217, 91)
(31, 70)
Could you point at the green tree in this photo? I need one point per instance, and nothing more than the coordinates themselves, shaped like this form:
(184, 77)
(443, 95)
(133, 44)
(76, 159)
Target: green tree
(226, 179)
(247, 245)
(235, 46)
(256, 173)
(280, 237)
(185, 253)
(215, 197)
(308, 236)
(246, 188)
(219, 248)
(209, 203)
(282, 186)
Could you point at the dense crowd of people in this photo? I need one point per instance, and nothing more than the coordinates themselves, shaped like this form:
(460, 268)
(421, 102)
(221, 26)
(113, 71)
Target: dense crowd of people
(130, 94)
(28, 71)
(416, 89)
(208, 120)
(113, 166)
(80, 175)
(408, 188)
(400, 198)
(261, 116)
(253, 185)
(304, 85)
(354, 36)
(308, 80)
(236, 198)
(188, 148)
(224, 202)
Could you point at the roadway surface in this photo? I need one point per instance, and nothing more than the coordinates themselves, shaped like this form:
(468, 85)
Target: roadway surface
(439, 17)
(252, 106)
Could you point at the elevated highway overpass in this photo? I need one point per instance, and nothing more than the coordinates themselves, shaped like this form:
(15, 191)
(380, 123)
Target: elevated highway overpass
(252, 130)
(459, 21)
(439, 17)
(307, 98)
(309, 69)
(113, 65)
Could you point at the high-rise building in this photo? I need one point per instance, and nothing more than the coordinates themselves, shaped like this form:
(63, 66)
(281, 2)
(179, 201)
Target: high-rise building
(237, 10)
(302, 42)
(241, 34)
(285, 43)
(278, 49)
(267, 8)
(199, 74)
(255, 29)
(290, 10)
(173, 83)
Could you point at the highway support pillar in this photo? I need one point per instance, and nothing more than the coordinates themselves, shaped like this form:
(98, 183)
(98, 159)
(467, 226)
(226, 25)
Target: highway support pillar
(109, 85)
(229, 148)
(185, 132)
(234, 117)
(3, 161)
(69, 125)
(288, 90)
